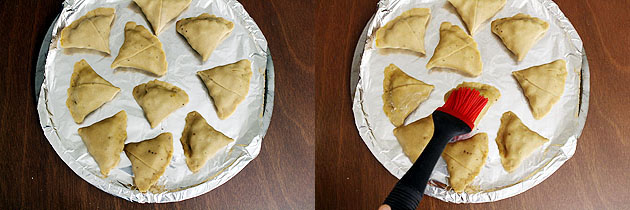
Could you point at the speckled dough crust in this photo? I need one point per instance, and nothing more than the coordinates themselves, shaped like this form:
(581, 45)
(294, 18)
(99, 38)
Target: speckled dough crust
(456, 50)
(520, 33)
(88, 91)
(402, 94)
(475, 12)
(149, 159)
(159, 99)
(105, 140)
(227, 85)
(413, 138)
(542, 85)
(464, 160)
(405, 31)
(160, 12)
(516, 141)
(141, 50)
(201, 141)
(90, 31)
(204, 32)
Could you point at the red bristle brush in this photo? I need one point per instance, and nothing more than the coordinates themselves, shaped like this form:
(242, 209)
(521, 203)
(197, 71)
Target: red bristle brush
(456, 117)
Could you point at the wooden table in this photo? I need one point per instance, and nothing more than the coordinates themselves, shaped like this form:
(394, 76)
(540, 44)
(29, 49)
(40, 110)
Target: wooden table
(281, 177)
(349, 177)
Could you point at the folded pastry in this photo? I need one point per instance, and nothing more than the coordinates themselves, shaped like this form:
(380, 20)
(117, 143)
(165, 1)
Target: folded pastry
(476, 12)
(160, 12)
(456, 50)
(149, 159)
(402, 94)
(516, 142)
(204, 32)
(88, 91)
(464, 160)
(405, 31)
(105, 140)
(227, 85)
(90, 31)
(413, 138)
(141, 50)
(520, 33)
(542, 85)
(488, 91)
(201, 141)
(159, 99)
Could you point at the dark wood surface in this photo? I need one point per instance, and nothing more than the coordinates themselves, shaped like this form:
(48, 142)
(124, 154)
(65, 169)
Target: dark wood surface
(349, 177)
(281, 177)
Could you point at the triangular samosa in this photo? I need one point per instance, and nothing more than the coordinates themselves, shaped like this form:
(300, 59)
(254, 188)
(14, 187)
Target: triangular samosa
(413, 138)
(515, 141)
(160, 12)
(204, 32)
(105, 140)
(141, 50)
(520, 33)
(159, 99)
(456, 50)
(476, 12)
(149, 159)
(464, 160)
(88, 91)
(402, 94)
(227, 85)
(542, 85)
(405, 31)
(201, 141)
(91, 31)
(488, 91)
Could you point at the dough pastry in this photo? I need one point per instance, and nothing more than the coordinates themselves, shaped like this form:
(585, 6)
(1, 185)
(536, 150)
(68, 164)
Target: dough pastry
(488, 91)
(149, 159)
(204, 32)
(160, 12)
(201, 141)
(402, 94)
(464, 160)
(515, 141)
(141, 50)
(405, 31)
(476, 12)
(520, 33)
(88, 91)
(90, 31)
(413, 138)
(542, 85)
(456, 50)
(227, 85)
(159, 99)
(105, 140)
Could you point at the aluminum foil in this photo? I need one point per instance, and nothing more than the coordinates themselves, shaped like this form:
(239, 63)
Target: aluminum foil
(247, 126)
(562, 126)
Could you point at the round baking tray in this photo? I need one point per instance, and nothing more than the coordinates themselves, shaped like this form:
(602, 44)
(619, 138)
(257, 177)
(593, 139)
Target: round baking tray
(583, 110)
(266, 119)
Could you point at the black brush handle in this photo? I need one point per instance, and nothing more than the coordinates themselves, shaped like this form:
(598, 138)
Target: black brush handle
(408, 192)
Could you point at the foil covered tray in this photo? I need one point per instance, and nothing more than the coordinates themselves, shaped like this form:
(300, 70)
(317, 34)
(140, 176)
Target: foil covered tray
(247, 126)
(562, 126)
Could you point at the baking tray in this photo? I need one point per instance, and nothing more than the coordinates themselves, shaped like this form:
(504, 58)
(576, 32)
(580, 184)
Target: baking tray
(439, 190)
(173, 195)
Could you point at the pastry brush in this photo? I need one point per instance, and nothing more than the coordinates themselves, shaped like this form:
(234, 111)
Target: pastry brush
(456, 117)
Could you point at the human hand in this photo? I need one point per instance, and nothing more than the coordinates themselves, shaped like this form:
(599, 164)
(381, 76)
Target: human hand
(384, 207)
